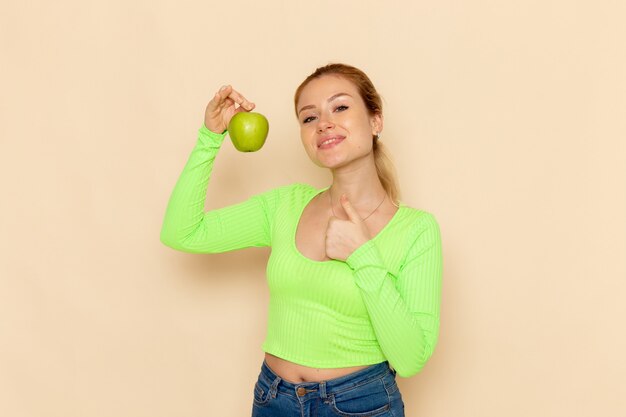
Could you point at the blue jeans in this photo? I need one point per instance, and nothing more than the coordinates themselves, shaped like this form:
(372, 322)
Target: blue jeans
(369, 392)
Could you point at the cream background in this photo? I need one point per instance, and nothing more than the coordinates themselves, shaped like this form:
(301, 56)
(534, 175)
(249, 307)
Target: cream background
(505, 120)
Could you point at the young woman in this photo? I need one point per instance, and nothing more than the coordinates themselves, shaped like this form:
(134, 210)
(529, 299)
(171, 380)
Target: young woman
(354, 274)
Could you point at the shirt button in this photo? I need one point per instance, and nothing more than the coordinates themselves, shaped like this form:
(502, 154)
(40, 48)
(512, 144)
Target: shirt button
(301, 391)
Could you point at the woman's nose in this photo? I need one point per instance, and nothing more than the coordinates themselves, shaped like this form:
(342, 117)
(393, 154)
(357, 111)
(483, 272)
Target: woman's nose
(324, 124)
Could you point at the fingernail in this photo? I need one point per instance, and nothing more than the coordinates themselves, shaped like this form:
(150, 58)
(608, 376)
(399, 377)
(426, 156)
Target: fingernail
(223, 88)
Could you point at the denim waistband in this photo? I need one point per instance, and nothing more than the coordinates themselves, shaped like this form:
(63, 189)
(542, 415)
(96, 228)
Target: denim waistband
(325, 387)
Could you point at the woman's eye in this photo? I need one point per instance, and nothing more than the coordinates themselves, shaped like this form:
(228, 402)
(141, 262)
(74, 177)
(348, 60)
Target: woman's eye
(339, 108)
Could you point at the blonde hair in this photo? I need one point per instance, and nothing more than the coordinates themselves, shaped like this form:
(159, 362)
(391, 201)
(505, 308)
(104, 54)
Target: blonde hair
(373, 102)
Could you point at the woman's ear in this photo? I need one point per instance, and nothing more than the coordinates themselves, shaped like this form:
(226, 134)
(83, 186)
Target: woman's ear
(377, 123)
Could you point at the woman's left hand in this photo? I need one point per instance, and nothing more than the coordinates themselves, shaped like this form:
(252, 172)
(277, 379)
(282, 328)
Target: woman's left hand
(344, 236)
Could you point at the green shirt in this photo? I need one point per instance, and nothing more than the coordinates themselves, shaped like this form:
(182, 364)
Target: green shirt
(381, 304)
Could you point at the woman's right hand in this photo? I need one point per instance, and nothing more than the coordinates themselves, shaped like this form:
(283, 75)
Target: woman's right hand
(221, 108)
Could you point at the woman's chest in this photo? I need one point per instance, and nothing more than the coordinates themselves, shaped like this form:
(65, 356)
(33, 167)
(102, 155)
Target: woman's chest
(310, 236)
(311, 229)
(300, 274)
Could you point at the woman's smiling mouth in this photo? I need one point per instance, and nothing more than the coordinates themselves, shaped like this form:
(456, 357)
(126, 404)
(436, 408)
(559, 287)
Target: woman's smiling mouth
(329, 142)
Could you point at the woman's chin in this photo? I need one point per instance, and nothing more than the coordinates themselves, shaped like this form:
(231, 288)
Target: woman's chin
(330, 162)
(339, 160)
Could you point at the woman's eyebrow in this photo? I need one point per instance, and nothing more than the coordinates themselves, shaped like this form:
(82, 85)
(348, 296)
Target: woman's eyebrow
(310, 106)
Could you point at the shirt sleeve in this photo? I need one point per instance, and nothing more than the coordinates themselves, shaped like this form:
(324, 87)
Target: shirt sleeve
(188, 228)
(404, 309)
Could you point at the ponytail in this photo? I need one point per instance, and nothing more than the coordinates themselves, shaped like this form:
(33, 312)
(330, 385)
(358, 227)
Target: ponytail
(386, 172)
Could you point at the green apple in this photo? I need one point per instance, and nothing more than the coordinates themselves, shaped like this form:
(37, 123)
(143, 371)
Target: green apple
(248, 131)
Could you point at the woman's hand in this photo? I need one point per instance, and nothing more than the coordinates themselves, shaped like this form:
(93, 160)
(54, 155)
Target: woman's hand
(221, 108)
(344, 236)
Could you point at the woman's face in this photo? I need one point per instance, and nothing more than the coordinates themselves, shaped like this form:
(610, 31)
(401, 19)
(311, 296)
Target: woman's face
(330, 108)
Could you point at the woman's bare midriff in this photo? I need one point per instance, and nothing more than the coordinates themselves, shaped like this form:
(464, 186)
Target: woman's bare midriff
(295, 373)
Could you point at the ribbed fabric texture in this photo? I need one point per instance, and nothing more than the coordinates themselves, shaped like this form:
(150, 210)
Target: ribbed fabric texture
(382, 303)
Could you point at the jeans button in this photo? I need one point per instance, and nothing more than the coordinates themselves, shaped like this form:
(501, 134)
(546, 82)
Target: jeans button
(301, 391)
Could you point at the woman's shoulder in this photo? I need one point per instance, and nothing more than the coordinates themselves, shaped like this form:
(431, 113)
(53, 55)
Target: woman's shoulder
(293, 193)
(418, 218)
(295, 188)
(290, 188)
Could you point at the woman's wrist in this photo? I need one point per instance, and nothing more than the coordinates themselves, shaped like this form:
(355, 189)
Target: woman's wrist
(210, 137)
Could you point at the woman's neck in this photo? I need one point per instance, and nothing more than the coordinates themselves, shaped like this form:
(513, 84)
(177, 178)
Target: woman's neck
(364, 190)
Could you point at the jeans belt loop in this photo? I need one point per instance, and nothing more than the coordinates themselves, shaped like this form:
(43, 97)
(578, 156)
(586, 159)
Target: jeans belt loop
(274, 387)
(323, 390)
